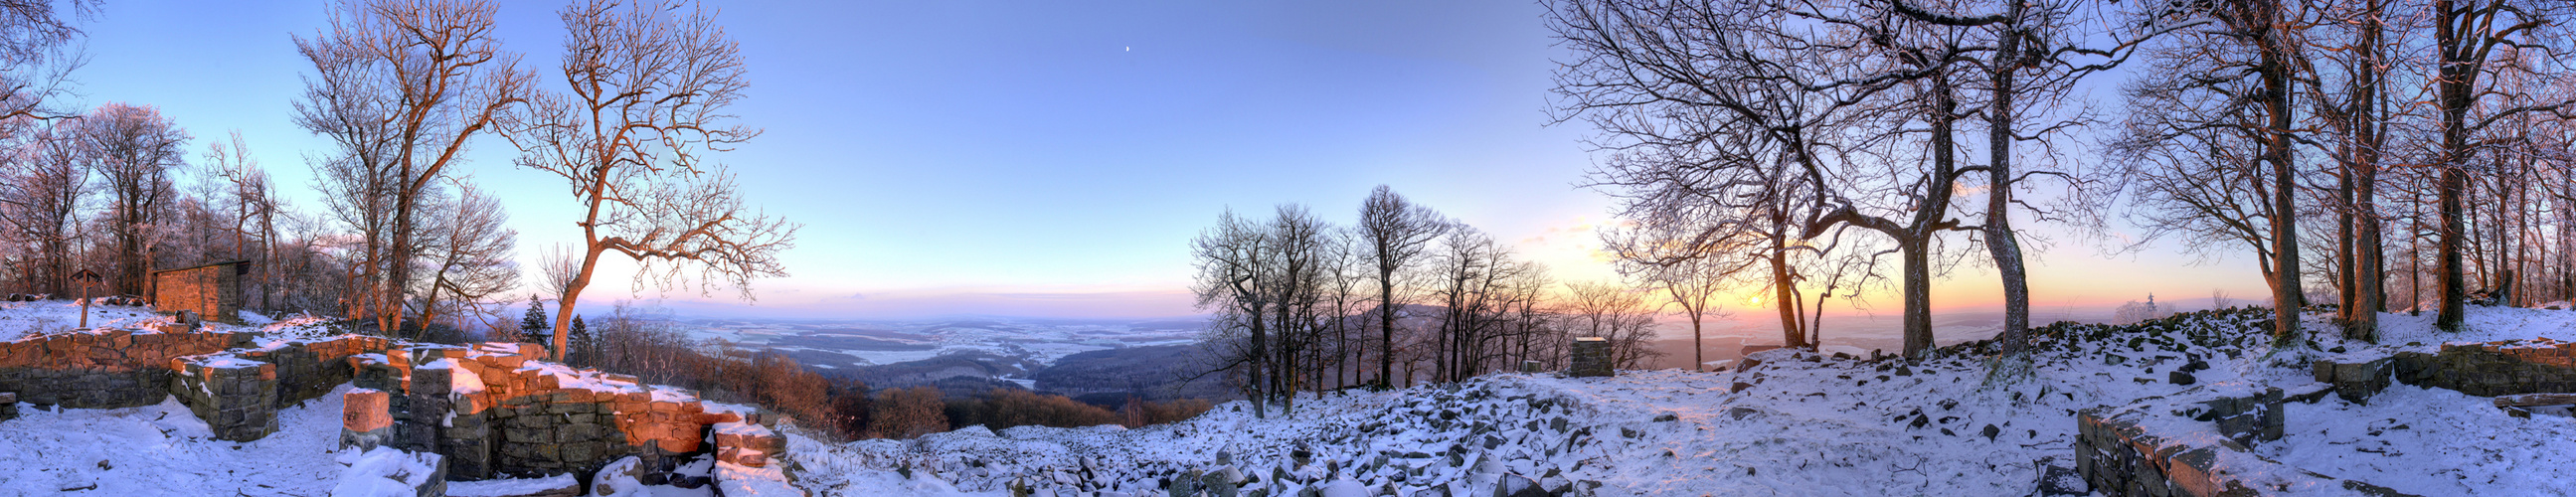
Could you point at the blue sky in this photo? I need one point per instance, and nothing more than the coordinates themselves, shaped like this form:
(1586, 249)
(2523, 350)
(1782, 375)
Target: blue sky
(1039, 158)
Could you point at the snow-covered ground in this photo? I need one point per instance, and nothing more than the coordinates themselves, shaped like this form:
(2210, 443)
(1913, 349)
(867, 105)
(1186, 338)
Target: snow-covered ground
(165, 450)
(19, 319)
(1807, 425)
(1801, 425)
(22, 319)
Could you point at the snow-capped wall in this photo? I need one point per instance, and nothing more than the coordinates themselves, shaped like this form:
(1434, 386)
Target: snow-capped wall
(237, 398)
(494, 411)
(102, 368)
(2504, 367)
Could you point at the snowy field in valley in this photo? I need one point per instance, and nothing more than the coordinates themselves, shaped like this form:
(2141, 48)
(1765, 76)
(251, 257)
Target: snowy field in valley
(1807, 425)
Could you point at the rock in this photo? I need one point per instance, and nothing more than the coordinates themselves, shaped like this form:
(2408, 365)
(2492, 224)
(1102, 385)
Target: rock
(1515, 485)
(1739, 413)
(1185, 486)
(1668, 416)
(1740, 387)
(1991, 431)
(2180, 378)
(2058, 480)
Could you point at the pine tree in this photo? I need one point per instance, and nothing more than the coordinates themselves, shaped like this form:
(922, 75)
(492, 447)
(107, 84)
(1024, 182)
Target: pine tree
(585, 350)
(536, 327)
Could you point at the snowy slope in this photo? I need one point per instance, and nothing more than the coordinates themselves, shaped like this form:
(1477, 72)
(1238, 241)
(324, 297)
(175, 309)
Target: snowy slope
(1807, 425)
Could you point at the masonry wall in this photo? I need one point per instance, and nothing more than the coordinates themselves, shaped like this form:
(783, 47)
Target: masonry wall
(2507, 367)
(493, 412)
(2118, 455)
(236, 398)
(2120, 452)
(211, 291)
(101, 370)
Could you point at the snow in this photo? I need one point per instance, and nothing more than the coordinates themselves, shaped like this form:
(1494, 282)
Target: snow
(459, 380)
(2431, 442)
(384, 472)
(224, 361)
(510, 486)
(1807, 425)
(567, 377)
(20, 320)
(736, 480)
(165, 450)
(252, 318)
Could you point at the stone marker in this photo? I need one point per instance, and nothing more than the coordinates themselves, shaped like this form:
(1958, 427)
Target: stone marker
(1591, 357)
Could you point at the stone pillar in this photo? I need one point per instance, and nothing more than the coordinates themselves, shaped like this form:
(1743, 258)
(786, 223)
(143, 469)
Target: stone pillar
(364, 420)
(236, 397)
(1591, 357)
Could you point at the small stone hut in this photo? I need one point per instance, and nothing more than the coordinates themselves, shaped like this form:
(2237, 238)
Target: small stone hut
(212, 291)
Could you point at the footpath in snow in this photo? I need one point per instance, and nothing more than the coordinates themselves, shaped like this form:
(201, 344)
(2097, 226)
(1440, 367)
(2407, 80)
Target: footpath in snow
(1801, 424)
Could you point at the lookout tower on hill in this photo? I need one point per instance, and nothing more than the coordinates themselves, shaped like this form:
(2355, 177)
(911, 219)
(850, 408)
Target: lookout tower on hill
(213, 291)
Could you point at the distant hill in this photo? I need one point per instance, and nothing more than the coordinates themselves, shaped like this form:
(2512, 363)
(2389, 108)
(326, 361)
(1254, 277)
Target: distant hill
(974, 364)
(1152, 372)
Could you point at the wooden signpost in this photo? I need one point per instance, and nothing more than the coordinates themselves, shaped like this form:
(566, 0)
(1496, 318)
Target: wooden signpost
(86, 279)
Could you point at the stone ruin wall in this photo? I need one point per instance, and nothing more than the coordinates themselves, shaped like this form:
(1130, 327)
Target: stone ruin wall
(212, 291)
(491, 411)
(2506, 367)
(2119, 455)
(110, 369)
(2119, 452)
(494, 412)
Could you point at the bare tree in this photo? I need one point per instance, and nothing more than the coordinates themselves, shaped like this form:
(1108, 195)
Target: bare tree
(2474, 41)
(467, 252)
(1480, 288)
(558, 265)
(1233, 259)
(135, 152)
(44, 185)
(37, 54)
(1614, 312)
(402, 86)
(1693, 286)
(652, 84)
(1395, 234)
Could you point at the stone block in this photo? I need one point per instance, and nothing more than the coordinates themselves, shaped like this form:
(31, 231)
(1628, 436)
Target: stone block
(1590, 356)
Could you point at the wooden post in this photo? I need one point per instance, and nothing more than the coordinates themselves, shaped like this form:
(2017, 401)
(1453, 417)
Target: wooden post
(86, 278)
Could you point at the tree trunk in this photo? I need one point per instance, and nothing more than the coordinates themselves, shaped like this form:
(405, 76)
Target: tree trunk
(1784, 289)
(2275, 72)
(2001, 243)
(2369, 269)
(1386, 326)
(2454, 83)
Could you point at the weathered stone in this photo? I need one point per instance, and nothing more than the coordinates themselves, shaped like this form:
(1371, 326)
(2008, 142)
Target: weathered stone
(1590, 357)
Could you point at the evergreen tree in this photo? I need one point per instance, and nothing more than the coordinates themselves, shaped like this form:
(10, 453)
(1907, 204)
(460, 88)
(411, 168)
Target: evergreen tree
(585, 348)
(536, 327)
